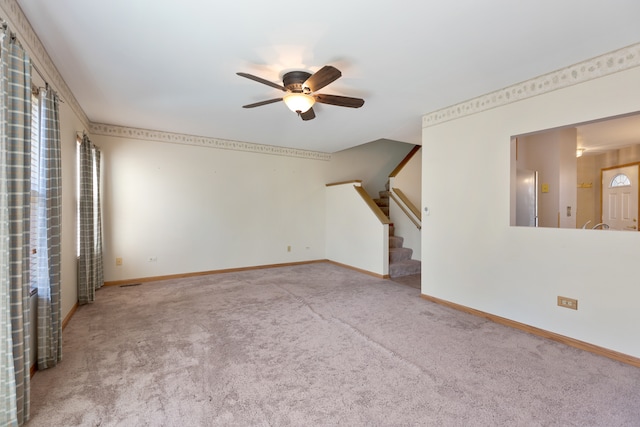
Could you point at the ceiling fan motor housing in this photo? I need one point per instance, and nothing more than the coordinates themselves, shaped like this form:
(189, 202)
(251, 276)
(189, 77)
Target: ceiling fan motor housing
(293, 81)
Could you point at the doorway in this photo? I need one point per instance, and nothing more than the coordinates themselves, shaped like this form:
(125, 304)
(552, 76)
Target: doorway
(620, 197)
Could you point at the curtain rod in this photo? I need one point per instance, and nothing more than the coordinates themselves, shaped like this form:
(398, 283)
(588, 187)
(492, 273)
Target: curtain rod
(33, 65)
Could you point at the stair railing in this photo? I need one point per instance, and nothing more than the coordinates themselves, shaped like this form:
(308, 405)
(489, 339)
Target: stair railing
(409, 209)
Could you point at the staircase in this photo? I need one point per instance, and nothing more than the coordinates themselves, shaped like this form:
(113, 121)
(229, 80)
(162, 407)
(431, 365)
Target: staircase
(400, 262)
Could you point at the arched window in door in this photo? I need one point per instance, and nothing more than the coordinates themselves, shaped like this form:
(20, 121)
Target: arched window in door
(620, 180)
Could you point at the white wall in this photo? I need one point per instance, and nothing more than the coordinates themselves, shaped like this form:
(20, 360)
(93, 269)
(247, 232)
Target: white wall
(541, 153)
(354, 234)
(70, 124)
(471, 256)
(588, 192)
(409, 179)
(372, 163)
(568, 200)
(553, 155)
(197, 208)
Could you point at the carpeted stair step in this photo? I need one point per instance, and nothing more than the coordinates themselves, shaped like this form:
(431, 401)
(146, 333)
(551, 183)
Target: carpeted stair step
(399, 254)
(395, 241)
(405, 268)
(382, 202)
(400, 262)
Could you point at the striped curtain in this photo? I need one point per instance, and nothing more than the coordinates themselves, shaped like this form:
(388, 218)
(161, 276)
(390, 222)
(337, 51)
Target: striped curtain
(7, 374)
(90, 270)
(15, 132)
(48, 222)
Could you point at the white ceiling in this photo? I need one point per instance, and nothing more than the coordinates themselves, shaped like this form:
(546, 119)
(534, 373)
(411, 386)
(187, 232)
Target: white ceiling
(604, 135)
(170, 65)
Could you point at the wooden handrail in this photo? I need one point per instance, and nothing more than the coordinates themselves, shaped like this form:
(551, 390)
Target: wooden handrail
(353, 181)
(413, 220)
(372, 205)
(408, 202)
(404, 161)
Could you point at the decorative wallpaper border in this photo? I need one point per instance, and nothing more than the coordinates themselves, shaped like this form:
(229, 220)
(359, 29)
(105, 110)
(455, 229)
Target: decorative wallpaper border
(201, 141)
(609, 63)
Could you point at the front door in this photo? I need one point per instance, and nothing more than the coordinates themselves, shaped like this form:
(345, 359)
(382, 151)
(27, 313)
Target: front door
(620, 198)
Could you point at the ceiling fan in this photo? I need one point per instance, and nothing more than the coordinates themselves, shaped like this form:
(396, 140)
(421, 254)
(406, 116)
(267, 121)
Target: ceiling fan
(301, 87)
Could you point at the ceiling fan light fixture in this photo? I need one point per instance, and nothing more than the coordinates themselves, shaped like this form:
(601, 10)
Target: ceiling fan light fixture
(299, 102)
(300, 91)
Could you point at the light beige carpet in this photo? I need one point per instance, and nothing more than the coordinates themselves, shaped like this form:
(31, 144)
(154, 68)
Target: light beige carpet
(315, 345)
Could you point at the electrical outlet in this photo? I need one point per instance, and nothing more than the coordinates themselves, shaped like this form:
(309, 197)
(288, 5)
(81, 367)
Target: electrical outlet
(568, 302)
(118, 261)
(288, 248)
(153, 259)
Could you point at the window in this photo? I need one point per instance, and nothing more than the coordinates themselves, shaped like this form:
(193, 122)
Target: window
(620, 180)
(78, 142)
(569, 191)
(92, 177)
(37, 193)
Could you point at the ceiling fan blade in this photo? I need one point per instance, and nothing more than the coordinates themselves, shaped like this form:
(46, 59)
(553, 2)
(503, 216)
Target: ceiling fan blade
(258, 104)
(308, 115)
(341, 101)
(322, 77)
(263, 81)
